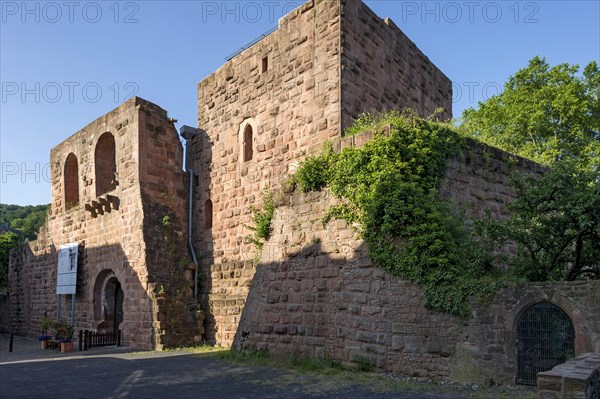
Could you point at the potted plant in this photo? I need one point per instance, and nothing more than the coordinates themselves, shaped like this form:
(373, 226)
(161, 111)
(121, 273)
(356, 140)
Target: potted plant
(45, 324)
(64, 334)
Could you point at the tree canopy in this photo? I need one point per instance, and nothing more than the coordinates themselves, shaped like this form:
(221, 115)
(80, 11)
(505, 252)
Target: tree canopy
(7, 242)
(556, 225)
(552, 116)
(18, 223)
(26, 219)
(545, 113)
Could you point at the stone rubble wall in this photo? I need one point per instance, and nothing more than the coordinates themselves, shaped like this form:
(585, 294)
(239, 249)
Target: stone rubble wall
(316, 292)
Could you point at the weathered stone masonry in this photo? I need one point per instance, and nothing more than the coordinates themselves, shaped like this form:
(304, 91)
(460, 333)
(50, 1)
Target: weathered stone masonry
(131, 235)
(328, 61)
(118, 189)
(316, 291)
(382, 69)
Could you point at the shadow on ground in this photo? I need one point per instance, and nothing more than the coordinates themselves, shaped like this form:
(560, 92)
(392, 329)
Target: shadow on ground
(175, 374)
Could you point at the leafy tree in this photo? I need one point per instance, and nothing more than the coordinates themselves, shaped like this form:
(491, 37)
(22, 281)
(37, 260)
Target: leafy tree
(19, 223)
(552, 116)
(555, 225)
(7, 242)
(545, 114)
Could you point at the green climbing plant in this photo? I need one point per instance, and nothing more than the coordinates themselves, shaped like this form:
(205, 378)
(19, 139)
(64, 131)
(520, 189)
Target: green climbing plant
(262, 220)
(389, 191)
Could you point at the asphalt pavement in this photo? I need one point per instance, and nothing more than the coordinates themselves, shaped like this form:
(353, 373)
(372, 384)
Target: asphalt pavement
(177, 374)
(30, 372)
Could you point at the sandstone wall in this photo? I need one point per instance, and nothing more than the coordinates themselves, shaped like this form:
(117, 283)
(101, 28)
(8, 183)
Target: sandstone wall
(114, 232)
(178, 319)
(477, 179)
(293, 88)
(108, 240)
(293, 108)
(382, 69)
(315, 291)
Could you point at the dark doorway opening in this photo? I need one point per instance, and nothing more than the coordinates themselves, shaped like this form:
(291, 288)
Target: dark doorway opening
(118, 312)
(108, 302)
(545, 338)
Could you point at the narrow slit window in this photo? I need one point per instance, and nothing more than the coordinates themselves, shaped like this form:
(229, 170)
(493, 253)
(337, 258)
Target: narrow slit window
(208, 214)
(248, 138)
(265, 64)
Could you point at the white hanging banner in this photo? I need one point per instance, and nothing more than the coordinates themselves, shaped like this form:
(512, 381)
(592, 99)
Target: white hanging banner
(66, 277)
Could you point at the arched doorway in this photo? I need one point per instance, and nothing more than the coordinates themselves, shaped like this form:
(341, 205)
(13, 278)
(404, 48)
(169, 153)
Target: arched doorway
(108, 302)
(545, 338)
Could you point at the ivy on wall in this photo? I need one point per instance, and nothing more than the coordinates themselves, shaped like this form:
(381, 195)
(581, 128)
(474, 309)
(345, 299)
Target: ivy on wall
(389, 190)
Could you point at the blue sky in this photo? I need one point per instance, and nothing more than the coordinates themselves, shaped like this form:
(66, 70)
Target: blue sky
(63, 64)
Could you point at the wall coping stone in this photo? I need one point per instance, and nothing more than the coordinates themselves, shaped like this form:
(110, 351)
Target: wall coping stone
(578, 377)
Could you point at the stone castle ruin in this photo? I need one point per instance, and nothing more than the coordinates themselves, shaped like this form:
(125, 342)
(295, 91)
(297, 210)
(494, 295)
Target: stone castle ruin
(119, 191)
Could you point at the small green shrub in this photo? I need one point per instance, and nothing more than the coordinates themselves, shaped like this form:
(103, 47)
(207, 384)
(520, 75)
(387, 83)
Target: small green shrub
(45, 324)
(313, 174)
(364, 122)
(262, 220)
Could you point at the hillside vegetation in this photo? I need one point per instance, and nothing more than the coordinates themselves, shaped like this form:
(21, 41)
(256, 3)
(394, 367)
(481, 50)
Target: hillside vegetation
(17, 224)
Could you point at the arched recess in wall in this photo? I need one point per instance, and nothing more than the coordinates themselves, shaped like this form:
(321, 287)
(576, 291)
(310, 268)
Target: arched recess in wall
(71, 181)
(105, 164)
(108, 302)
(248, 143)
(585, 339)
(208, 214)
(545, 338)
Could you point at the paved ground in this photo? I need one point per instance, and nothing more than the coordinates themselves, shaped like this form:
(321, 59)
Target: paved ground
(30, 372)
(170, 375)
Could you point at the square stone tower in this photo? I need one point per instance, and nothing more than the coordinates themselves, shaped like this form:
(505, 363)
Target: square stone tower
(279, 101)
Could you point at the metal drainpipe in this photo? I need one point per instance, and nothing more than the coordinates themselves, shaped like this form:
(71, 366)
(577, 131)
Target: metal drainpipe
(190, 243)
(188, 132)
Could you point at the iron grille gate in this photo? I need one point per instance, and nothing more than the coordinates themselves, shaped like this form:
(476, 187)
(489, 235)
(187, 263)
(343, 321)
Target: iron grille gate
(545, 338)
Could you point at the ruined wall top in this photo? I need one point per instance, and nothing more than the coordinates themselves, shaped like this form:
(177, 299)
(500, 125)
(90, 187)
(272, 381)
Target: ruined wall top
(101, 157)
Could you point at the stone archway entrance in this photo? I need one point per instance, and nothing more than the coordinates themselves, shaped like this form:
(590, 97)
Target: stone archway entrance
(108, 302)
(545, 338)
